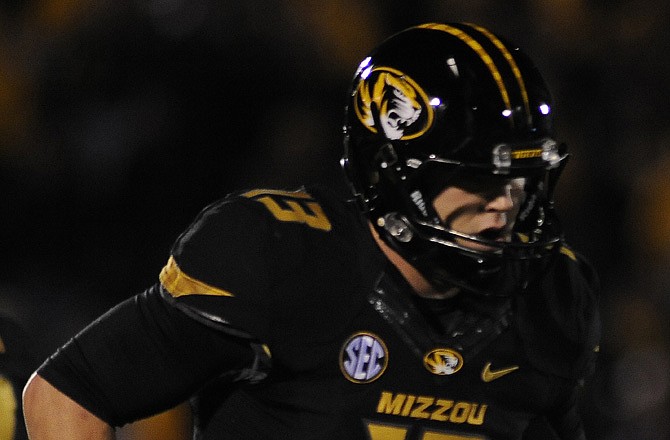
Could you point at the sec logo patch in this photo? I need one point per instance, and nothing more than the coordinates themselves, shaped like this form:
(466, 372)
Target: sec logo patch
(363, 357)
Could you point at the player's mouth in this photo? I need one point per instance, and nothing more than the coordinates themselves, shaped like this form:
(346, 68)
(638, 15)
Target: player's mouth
(489, 235)
(494, 234)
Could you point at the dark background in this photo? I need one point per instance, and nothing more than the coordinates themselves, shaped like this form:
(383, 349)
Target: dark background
(120, 120)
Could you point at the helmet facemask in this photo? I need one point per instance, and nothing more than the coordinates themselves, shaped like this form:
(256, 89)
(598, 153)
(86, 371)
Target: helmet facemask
(488, 262)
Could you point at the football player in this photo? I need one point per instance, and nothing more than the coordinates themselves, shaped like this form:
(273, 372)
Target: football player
(440, 302)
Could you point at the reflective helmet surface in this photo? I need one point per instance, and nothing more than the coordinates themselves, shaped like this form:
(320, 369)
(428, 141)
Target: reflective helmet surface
(439, 101)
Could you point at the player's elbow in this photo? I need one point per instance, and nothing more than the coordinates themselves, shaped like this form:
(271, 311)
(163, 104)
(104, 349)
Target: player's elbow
(39, 399)
(50, 414)
(35, 395)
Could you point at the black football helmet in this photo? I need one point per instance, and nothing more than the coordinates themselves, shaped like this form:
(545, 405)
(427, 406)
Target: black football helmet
(439, 101)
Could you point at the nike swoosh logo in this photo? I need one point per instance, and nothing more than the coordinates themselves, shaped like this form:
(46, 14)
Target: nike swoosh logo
(489, 375)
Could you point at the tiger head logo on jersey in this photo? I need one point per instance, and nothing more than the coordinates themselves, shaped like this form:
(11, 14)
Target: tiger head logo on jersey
(391, 102)
(443, 361)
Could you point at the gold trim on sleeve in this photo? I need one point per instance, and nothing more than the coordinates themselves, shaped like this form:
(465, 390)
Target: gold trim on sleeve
(177, 283)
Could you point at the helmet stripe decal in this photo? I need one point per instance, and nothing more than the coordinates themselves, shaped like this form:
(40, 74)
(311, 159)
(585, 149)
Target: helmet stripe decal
(474, 45)
(510, 59)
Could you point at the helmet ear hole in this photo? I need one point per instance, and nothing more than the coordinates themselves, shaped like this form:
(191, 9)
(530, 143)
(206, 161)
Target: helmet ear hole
(386, 157)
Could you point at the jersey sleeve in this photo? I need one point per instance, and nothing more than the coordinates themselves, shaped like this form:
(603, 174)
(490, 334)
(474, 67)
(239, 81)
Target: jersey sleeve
(219, 270)
(143, 357)
(243, 258)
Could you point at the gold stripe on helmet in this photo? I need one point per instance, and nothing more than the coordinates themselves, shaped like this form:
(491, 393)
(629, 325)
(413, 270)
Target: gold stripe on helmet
(479, 50)
(510, 59)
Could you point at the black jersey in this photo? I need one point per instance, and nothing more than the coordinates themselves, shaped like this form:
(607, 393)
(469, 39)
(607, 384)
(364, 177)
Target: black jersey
(337, 345)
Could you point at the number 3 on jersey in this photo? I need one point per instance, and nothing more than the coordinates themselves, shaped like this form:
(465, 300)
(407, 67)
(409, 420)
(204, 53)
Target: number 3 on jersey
(379, 431)
(298, 207)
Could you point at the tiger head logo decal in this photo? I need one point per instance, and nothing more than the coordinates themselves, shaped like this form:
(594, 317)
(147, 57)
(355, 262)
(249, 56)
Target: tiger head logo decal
(389, 101)
(443, 361)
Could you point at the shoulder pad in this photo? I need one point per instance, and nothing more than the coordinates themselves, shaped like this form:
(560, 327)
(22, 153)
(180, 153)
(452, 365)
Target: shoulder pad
(228, 266)
(559, 321)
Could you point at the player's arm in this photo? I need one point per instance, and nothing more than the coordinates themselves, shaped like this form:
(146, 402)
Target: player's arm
(154, 351)
(50, 414)
(140, 359)
(175, 424)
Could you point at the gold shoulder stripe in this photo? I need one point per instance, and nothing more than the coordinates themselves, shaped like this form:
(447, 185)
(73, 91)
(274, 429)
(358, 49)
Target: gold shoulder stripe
(274, 192)
(479, 50)
(177, 283)
(567, 252)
